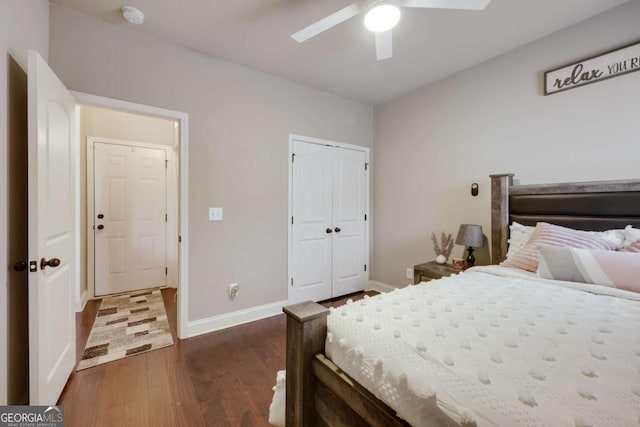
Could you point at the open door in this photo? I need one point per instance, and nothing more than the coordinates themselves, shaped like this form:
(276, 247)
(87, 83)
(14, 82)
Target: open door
(52, 251)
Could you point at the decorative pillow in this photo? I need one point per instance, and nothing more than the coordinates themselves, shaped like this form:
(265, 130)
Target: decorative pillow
(518, 236)
(607, 268)
(631, 235)
(634, 247)
(554, 235)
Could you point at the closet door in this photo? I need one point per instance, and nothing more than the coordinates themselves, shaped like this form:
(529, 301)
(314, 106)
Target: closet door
(349, 254)
(312, 228)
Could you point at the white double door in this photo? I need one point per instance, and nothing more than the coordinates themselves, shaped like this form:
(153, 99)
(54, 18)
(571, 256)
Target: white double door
(129, 218)
(329, 245)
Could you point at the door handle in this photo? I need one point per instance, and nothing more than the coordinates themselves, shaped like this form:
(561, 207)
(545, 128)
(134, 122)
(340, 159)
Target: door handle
(20, 266)
(53, 262)
(100, 227)
(329, 231)
(337, 230)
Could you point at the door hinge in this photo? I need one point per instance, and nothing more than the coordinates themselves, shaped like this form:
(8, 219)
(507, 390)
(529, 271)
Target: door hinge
(166, 271)
(366, 166)
(293, 157)
(166, 164)
(166, 218)
(291, 220)
(365, 267)
(292, 281)
(365, 217)
(179, 239)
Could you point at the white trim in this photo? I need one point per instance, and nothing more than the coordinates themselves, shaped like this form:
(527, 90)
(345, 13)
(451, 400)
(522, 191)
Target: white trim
(373, 285)
(82, 302)
(80, 295)
(183, 120)
(319, 141)
(170, 226)
(227, 320)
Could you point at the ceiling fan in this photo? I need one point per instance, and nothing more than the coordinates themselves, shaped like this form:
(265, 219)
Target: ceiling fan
(380, 17)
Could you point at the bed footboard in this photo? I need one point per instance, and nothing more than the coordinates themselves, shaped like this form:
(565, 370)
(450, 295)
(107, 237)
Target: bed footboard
(306, 332)
(317, 392)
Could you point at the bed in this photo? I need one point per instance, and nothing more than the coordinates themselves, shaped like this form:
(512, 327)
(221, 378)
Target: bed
(522, 376)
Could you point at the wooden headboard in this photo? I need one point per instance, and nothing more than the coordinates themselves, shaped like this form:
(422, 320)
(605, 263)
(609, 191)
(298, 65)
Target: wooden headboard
(596, 206)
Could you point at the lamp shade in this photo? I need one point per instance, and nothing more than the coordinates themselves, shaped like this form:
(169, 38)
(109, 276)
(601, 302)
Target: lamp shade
(470, 235)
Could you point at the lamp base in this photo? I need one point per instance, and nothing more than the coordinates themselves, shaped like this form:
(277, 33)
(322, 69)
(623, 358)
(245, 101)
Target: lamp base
(471, 260)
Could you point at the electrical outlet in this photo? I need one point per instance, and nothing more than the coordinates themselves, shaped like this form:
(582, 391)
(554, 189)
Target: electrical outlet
(234, 288)
(409, 273)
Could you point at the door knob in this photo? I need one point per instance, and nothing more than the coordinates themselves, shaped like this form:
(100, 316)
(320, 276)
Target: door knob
(20, 266)
(100, 227)
(329, 231)
(100, 216)
(337, 230)
(53, 262)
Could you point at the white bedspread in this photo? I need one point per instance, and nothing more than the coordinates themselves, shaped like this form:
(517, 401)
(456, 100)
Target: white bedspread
(500, 351)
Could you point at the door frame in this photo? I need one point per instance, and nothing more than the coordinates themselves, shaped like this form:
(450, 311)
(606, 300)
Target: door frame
(183, 192)
(367, 230)
(169, 155)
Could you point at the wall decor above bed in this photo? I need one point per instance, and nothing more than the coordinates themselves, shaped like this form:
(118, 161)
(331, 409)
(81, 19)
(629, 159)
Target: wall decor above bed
(610, 64)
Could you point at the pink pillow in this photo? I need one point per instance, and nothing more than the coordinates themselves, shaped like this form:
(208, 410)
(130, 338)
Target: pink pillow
(634, 247)
(554, 235)
(607, 268)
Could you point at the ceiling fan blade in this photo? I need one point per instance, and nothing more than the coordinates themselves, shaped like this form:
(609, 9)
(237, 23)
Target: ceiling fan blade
(446, 4)
(328, 22)
(384, 45)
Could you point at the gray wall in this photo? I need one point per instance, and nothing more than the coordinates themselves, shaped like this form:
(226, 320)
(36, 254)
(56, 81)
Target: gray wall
(23, 25)
(433, 143)
(240, 120)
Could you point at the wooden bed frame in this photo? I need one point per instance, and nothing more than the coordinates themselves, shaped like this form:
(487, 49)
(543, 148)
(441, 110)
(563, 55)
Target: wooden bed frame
(318, 393)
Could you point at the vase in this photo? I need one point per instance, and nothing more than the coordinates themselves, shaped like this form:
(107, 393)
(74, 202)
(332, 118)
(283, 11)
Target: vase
(441, 259)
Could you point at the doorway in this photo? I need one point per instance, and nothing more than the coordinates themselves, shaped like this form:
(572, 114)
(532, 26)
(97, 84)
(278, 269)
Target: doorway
(177, 208)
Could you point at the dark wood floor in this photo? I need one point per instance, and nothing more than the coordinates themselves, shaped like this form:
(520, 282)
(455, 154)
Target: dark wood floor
(223, 378)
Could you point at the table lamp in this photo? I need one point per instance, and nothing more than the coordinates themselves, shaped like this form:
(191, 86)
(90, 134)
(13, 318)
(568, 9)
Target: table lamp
(470, 235)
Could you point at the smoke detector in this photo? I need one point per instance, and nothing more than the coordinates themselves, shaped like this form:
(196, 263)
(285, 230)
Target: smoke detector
(133, 15)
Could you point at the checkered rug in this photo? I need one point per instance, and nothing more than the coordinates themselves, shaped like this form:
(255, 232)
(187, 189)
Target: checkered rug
(127, 325)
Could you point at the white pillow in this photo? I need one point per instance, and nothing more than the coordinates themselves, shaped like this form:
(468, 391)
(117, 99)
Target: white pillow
(615, 236)
(518, 235)
(631, 235)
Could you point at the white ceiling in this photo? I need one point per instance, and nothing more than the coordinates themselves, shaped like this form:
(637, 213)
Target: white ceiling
(428, 44)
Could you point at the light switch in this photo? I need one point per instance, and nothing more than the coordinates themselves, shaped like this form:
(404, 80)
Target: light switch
(215, 214)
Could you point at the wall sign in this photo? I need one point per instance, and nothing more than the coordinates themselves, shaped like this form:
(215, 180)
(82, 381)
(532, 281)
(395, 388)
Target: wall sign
(594, 69)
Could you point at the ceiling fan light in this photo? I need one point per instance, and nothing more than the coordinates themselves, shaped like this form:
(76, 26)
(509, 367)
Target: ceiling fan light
(382, 18)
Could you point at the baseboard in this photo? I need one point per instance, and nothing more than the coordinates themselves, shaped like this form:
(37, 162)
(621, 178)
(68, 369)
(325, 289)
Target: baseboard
(227, 320)
(82, 302)
(372, 285)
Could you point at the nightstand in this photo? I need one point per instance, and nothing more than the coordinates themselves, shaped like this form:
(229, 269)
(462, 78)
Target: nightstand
(432, 270)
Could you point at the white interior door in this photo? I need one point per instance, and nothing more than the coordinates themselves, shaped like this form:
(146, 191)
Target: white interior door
(129, 218)
(349, 207)
(52, 231)
(328, 233)
(311, 243)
